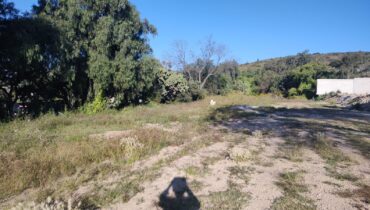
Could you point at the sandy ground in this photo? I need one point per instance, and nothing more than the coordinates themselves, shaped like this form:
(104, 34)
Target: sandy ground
(260, 154)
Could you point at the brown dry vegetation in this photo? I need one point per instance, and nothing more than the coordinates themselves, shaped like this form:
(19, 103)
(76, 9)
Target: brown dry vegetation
(35, 154)
(123, 158)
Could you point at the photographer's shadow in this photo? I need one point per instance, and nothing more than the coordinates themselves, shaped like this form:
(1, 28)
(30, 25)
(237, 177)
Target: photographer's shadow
(178, 196)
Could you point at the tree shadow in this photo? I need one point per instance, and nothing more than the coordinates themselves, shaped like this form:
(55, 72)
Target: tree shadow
(178, 196)
(297, 125)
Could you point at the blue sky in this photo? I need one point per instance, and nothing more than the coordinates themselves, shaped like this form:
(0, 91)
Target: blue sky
(257, 29)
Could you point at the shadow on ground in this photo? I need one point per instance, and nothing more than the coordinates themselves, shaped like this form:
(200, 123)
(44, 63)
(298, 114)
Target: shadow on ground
(178, 196)
(298, 125)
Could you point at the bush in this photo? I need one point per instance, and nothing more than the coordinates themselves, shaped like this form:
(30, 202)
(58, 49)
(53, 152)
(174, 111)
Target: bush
(193, 93)
(172, 85)
(219, 84)
(266, 81)
(292, 92)
(198, 94)
(245, 85)
(97, 105)
(307, 89)
(303, 79)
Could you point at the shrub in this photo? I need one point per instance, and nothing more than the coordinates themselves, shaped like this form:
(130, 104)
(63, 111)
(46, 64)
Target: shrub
(307, 89)
(194, 93)
(292, 92)
(266, 81)
(219, 84)
(245, 85)
(303, 78)
(97, 105)
(172, 85)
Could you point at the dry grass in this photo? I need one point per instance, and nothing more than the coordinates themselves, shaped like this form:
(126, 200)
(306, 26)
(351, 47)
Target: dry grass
(231, 199)
(325, 148)
(293, 153)
(241, 172)
(194, 171)
(292, 186)
(37, 154)
(362, 193)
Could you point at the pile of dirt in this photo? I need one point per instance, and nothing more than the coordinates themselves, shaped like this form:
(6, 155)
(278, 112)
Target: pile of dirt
(355, 102)
(358, 102)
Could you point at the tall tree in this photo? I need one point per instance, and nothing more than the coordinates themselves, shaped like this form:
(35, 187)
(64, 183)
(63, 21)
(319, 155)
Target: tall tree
(105, 48)
(28, 61)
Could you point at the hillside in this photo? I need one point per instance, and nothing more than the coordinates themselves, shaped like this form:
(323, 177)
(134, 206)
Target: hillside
(357, 64)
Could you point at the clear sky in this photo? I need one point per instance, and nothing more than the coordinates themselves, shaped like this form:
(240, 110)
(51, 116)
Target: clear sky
(257, 29)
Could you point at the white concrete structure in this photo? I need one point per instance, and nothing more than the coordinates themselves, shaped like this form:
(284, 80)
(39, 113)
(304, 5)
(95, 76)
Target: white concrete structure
(356, 86)
(361, 86)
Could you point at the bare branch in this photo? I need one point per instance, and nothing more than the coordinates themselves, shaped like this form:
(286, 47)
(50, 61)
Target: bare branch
(204, 65)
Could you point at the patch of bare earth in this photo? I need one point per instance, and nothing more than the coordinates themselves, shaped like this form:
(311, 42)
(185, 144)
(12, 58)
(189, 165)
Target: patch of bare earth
(149, 197)
(250, 159)
(322, 185)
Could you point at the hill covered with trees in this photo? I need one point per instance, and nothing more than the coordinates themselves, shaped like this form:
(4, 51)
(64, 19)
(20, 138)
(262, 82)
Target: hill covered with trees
(296, 75)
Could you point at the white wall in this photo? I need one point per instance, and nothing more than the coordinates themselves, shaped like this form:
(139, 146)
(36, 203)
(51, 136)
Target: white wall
(333, 85)
(361, 86)
(349, 86)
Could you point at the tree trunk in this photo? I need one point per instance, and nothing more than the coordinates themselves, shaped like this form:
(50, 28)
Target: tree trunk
(204, 81)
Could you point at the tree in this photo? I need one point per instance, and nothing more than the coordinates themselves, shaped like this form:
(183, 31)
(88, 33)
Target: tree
(225, 79)
(200, 67)
(179, 59)
(7, 10)
(28, 62)
(302, 80)
(105, 49)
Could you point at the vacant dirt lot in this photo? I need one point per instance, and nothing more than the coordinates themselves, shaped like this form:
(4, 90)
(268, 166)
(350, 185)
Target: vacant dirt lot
(278, 154)
(269, 158)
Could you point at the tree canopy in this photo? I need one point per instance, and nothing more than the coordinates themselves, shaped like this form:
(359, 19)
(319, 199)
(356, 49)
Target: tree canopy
(71, 51)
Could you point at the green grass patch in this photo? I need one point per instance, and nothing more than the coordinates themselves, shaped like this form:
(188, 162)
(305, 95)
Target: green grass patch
(293, 153)
(231, 199)
(325, 148)
(241, 172)
(292, 186)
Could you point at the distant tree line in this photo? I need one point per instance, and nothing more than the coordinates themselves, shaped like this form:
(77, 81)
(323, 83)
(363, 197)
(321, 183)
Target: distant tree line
(297, 75)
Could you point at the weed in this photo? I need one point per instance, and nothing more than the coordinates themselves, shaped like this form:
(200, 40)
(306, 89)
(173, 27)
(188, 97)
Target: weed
(340, 176)
(241, 172)
(231, 199)
(193, 171)
(291, 184)
(292, 153)
(324, 147)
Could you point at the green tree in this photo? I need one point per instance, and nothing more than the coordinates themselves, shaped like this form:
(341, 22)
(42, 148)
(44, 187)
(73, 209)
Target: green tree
(105, 49)
(302, 80)
(29, 57)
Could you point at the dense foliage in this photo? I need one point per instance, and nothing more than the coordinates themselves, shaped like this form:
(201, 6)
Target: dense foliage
(172, 85)
(68, 52)
(296, 75)
(105, 47)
